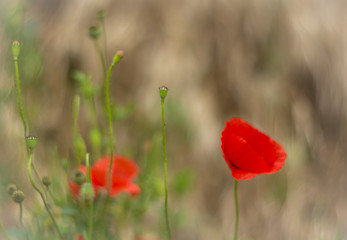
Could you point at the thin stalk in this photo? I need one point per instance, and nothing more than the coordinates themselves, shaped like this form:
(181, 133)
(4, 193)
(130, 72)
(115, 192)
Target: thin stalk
(110, 128)
(104, 37)
(15, 60)
(21, 220)
(91, 204)
(116, 59)
(21, 214)
(3, 231)
(101, 56)
(42, 196)
(75, 111)
(236, 210)
(165, 170)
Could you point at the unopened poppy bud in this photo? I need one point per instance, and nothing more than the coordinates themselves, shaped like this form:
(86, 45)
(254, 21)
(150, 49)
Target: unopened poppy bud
(79, 177)
(79, 147)
(101, 15)
(87, 192)
(31, 141)
(163, 92)
(18, 196)
(46, 181)
(11, 188)
(15, 49)
(119, 55)
(94, 32)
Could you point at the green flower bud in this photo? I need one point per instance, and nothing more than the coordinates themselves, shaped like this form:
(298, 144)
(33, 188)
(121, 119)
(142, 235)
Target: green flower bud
(101, 15)
(15, 49)
(119, 55)
(31, 141)
(11, 188)
(79, 147)
(87, 192)
(94, 32)
(18, 196)
(163, 92)
(46, 181)
(79, 177)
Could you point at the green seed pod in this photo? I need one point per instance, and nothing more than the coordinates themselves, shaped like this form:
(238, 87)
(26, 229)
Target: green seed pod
(79, 177)
(94, 32)
(87, 192)
(18, 196)
(79, 147)
(46, 181)
(11, 188)
(31, 141)
(163, 92)
(15, 49)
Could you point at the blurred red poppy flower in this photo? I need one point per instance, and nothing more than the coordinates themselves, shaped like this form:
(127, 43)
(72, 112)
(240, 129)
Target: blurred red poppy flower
(123, 171)
(249, 152)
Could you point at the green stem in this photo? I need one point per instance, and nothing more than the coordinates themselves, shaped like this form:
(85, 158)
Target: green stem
(15, 59)
(101, 56)
(75, 111)
(116, 59)
(3, 231)
(165, 170)
(90, 226)
(21, 214)
(21, 220)
(41, 195)
(236, 210)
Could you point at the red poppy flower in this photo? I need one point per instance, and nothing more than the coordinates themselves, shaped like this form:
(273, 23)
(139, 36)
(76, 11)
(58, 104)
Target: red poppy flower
(249, 152)
(123, 171)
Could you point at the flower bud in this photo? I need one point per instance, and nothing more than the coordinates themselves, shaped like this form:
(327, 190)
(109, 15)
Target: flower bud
(18, 196)
(101, 15)
(79, 147)
(94, 32)
(11, 188)
(31, 141)
(46, 181)
(119, 55)
(15, 49)
(87, 192)
(79, 177)
(163, 92)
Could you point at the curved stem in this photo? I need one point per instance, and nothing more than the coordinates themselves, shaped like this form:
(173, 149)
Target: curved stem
(165, 170)
(15, 59)
(41, 195)
(21, 220)
(236, 210)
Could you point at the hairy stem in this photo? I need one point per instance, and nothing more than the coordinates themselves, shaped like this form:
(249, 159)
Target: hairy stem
(42, 196)
(20, 108)
(165, 170)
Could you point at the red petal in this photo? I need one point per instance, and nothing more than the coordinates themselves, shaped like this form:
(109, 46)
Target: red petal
(249, 152)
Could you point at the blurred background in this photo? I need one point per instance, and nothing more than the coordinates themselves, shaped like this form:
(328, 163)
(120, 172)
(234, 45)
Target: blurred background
(280, 65)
